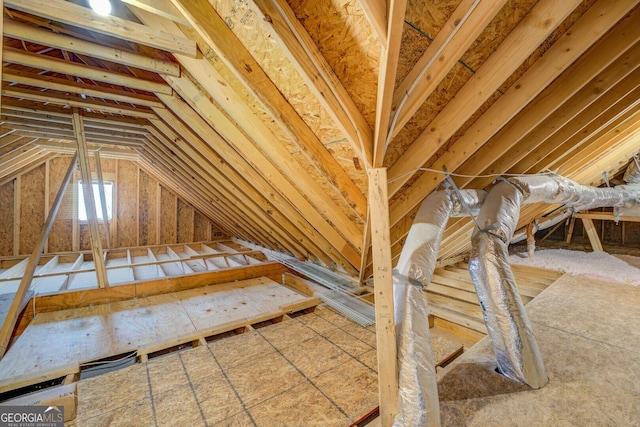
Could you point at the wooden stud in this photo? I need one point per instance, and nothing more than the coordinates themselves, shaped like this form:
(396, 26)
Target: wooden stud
(103, 198)
(16, 215)
(592, 234)
(89, 200)
(383, 288)
(14, 310)
(47, 177)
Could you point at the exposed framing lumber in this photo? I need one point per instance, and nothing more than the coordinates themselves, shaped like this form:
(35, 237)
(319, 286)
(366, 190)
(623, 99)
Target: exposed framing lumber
(387, 78)
(162, 8)
(77, 101)
(607, 216)
(69, 13)
(221, 39)
(562, 54)
(376, 12)
(70, 44)
(103, 198)
(442, 54)
(383, 288)
(197, 169)
(285, 173)
(543, 18)
(592, 234)
(45, 62)
(9, 322)
(65, 85)
(312, 66)
(89, 199)
(320, 231)
(197, 162)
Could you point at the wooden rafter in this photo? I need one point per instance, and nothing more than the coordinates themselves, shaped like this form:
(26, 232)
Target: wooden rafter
(221, 39)
(545, 16)
(68, 13)
(317, 73)
(70, 44)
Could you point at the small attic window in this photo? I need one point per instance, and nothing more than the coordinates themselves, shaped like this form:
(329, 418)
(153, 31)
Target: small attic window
(108, 193)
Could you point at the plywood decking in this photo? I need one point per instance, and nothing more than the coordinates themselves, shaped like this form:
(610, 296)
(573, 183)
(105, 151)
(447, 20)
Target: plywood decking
(590, 343)
(63, 338)
(317, 369)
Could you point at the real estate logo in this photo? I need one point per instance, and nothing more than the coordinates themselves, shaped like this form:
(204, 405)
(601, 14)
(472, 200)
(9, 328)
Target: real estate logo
(31, 416)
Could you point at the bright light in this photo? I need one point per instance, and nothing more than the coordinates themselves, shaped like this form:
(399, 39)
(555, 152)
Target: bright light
(101, 7)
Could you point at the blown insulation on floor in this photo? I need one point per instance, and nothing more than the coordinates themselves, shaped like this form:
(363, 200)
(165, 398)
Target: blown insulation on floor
(594, 265)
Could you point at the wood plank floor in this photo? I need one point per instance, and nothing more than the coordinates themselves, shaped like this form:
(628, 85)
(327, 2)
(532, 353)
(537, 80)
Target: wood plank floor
(56, 340)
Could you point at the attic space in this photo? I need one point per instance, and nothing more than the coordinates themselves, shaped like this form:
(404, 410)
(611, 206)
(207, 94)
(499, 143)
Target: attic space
(320, 212)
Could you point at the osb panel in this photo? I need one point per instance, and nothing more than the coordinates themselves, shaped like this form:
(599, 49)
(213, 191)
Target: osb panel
(201, 228)
(32, 208)
(349, 43)
(147, 209)
(250, 28)
(423, 22)
(488, 41)
(562, 28)
(127, 209)
(108, 165)
(6, 219)
(85, 236)
(167, 217)
(61, 234)
(185, 222)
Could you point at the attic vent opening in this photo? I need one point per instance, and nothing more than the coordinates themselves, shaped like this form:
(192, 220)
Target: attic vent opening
(108, 193)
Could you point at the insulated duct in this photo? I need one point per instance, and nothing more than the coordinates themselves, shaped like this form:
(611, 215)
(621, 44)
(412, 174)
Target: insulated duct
(632, 174)
(418, 399)
(514, 345)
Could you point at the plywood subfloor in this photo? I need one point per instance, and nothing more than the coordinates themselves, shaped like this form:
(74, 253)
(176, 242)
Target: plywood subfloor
(58, 339)
(588, 335)
(318, 369)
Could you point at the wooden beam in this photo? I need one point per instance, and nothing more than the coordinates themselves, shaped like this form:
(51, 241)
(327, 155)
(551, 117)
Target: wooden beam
(65, 85)
(76, 101)
(89, 200)
(383, 289)
(463, 27)
(162, 8)
(44, 62)
(543, 18)
(235, 55)
(376, 13)
(78, 16)
(607, 216)
(71, 44)
(14, 309)
(561, 56)
(103, 198)
(592, 234)
(304, 54)
(387, 78)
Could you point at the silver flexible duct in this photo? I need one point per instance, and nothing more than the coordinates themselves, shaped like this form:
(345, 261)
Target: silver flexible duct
(514, 344)
(632, 174)
(418, 400)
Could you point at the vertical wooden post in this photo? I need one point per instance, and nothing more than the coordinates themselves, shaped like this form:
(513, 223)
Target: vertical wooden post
(383, 288)
(16, 215)
(14, 310)
(592, 234)
(89, 200)
(103, 198)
